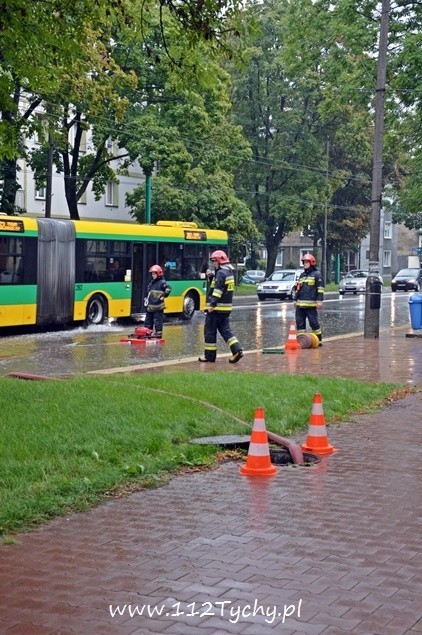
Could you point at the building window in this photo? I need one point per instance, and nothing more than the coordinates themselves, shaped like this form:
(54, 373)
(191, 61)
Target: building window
(41, 134)
(112, 194)
(83, 140)
(388, 225)
(111, 146)
(279, 259)
(20, 199)
(40, 194)
(83, 144)
(386, 259)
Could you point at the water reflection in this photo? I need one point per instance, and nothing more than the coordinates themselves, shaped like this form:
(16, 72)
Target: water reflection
(266, 324)
(393, 309)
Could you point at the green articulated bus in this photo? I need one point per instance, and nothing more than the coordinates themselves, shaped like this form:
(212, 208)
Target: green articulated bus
(55, 271)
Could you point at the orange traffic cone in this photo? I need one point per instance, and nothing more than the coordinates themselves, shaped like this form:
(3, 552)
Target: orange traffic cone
(317, 439)
(258, 462)
(292, 344)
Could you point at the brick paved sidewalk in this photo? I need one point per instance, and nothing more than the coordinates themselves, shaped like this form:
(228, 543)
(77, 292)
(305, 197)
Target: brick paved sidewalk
(335, 546)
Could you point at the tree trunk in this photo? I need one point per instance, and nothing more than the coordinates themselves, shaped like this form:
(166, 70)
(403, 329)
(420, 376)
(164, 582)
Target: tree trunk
(9, 171)
(272, 245)
(71, 198)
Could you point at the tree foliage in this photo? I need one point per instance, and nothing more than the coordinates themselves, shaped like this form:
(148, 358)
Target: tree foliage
(186, 132)
(65, 58)
(404, 115)
(293, 97)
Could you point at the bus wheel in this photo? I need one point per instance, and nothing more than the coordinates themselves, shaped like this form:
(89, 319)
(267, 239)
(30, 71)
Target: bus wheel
(96, 310)
(189, 306)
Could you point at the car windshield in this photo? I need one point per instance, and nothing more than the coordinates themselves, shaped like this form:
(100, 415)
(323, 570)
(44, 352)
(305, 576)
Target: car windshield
(408, 272)
(357, 274)
(282, 275)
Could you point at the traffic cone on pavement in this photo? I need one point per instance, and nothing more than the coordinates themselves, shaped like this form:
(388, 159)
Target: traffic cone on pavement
(258, 461)
(292, 344)
(317, 439)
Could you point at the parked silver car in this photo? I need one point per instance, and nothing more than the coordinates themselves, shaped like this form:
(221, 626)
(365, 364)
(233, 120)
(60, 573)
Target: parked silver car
(355, 282)
(281, 284)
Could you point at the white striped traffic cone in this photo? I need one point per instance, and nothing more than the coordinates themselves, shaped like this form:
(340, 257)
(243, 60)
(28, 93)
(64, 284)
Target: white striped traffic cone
(292, 344)
(317, 439)
(258, 461)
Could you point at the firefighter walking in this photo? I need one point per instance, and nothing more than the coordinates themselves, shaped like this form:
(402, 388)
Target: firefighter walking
(309, 297)
(218, 309)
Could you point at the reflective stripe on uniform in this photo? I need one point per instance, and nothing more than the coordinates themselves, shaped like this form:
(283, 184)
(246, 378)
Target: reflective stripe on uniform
(210, 347)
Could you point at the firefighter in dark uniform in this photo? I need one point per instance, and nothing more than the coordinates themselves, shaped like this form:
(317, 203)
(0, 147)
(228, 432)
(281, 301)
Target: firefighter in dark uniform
(309, 297)
(218, 309)
(158, 290)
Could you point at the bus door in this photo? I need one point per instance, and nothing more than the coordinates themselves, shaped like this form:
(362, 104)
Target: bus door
(144, 255)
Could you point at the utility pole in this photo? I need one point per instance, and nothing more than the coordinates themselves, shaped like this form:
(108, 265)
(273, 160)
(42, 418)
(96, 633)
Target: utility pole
(324, 258)
(373, 286)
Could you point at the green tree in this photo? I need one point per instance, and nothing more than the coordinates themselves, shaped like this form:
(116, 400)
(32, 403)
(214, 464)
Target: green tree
(404, 113)
(51, 54)
(299, 90)
(186, 133)
(41, 45)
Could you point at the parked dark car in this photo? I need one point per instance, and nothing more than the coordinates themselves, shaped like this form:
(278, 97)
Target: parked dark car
(407, 280)
(253, 276)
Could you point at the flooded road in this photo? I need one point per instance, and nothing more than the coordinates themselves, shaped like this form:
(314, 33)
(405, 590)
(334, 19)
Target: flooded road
(257, 325)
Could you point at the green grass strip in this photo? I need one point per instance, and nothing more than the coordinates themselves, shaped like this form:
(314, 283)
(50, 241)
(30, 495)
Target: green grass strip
(63, 444)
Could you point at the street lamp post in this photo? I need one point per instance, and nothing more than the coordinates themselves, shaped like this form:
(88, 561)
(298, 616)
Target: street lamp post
(373, 287)
(148, 198)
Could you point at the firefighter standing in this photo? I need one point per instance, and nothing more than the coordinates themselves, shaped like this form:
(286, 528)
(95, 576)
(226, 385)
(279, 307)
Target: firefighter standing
(218, 309)
(158, 290)
(309, 297)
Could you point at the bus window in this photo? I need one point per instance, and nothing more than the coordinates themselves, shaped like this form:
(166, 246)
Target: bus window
(170, 260)
(11, 260)
(100, 260)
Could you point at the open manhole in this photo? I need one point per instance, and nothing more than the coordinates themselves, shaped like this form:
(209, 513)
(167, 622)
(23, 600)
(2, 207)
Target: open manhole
(279, 455)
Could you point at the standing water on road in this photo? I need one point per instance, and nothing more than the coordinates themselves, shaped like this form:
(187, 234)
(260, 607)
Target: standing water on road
(80, 350)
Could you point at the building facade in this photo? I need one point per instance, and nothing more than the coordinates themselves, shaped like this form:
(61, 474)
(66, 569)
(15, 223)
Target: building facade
(110, 207)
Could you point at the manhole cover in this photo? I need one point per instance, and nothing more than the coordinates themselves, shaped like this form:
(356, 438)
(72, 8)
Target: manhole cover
(229, 441)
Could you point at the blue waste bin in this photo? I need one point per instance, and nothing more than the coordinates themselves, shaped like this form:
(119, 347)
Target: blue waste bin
(415, 308)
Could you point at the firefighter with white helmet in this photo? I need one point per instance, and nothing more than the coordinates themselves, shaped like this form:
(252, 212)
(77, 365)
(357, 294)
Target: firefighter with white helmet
(218, 309)
(309, 297)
